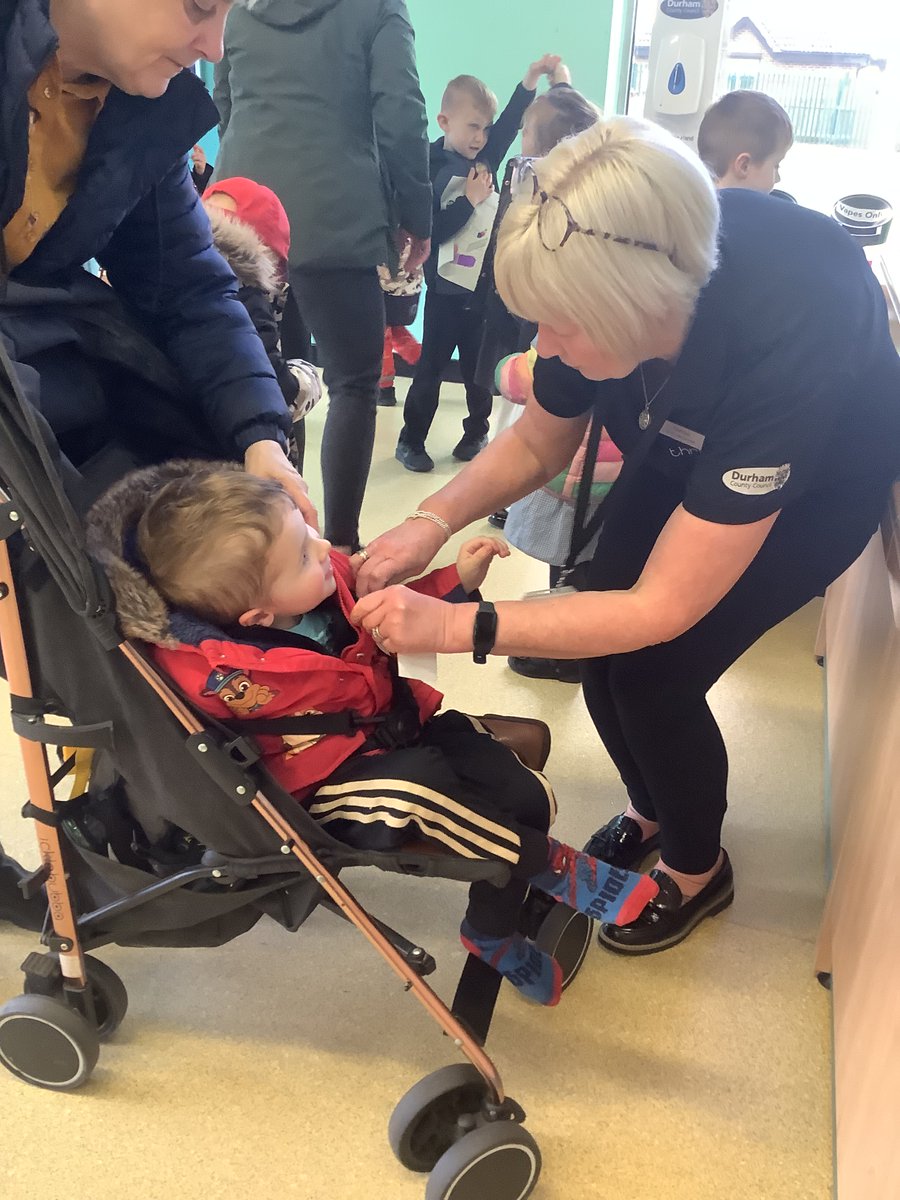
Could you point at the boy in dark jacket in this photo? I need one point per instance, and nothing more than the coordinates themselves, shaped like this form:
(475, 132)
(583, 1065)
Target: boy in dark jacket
(463, 165)
(249, 610)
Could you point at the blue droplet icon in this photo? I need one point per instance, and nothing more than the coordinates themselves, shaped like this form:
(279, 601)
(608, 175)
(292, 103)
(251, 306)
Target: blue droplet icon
(677, 79)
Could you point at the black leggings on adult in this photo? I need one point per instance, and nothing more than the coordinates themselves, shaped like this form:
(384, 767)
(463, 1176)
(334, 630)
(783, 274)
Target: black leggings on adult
(345, 311)
(649, 706)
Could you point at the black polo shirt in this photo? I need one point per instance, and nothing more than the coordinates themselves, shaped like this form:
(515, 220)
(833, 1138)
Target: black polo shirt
(787, 384)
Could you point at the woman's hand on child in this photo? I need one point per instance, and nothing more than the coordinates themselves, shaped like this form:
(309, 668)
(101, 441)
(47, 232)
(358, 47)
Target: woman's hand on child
(406, 621)
(268, 461)
(479, 186)
(402, 552)
(475, 558)
(545, 65)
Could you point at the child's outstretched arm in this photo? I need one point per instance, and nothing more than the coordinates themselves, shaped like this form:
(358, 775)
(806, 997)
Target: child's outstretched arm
(506, 127)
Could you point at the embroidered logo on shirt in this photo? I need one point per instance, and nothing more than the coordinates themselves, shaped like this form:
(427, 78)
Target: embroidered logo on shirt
(757, 481)
(236, 689)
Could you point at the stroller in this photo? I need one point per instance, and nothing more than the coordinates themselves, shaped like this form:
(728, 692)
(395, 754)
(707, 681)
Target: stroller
(180, 838)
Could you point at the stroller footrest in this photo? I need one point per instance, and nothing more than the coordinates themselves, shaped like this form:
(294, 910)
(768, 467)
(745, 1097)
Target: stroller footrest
(42, 973)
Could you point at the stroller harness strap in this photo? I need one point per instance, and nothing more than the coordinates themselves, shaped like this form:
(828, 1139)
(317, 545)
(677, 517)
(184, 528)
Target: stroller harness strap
(399, 726)
(27, 715)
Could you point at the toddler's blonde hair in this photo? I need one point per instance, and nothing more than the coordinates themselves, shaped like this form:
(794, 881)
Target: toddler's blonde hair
(205, 539)
(474, 90)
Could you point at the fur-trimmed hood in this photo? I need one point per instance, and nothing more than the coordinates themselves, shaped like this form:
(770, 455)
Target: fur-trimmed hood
(111, 537)
(245, 252)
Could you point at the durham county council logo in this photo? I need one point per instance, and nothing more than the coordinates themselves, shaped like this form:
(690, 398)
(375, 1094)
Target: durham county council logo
(757, 481)
(688, 10)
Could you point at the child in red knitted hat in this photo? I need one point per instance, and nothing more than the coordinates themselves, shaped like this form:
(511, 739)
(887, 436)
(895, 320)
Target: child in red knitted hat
(252, 233)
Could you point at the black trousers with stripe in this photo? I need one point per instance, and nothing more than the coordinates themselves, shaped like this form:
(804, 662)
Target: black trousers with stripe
(459, 787)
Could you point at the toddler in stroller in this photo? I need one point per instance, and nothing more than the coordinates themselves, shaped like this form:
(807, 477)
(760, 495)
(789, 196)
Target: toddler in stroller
(248, 609)
(190, 840)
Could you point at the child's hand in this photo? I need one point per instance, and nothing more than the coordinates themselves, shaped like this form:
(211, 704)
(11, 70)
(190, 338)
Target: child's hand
(198, 159)
(479, 186)
(560, 73)
(475, 558)
(545, 65)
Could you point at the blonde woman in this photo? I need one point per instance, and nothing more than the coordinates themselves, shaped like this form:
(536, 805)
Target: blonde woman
(738, 352)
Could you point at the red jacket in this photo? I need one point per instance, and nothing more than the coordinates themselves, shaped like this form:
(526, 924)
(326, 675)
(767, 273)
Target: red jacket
(231, 679)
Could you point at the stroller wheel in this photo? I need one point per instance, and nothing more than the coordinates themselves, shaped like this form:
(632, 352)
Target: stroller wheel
(567, 935)
(109, 996)
(500, 1160)
(46, 1043)
(434, 1114)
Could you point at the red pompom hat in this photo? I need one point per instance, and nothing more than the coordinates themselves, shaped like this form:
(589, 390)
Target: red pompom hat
(260, 208)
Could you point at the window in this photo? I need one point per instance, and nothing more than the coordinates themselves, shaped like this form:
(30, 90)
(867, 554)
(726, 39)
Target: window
(835, 68)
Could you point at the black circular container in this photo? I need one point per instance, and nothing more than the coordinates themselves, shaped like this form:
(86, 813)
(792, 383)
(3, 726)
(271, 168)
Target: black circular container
(867, 218)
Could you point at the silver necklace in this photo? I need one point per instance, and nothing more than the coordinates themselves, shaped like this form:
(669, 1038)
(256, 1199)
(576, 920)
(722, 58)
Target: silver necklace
(644, 417)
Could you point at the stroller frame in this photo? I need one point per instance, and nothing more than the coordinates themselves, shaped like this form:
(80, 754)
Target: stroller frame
(456, 1124)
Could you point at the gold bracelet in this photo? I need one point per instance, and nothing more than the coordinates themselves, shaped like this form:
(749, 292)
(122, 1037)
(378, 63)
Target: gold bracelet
(420, 513)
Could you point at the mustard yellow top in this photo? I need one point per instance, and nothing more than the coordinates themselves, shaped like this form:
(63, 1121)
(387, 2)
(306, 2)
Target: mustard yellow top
(61, 118)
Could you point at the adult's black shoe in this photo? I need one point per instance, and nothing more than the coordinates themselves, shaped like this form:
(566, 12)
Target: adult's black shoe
(413, 459)
(466, 448)
(619, 843)
(387, 397)
(27, 914)
(565, 670)
(666, 921)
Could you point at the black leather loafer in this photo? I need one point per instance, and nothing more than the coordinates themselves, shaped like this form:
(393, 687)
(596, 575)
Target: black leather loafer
(619, 843)
(565, 670)
(666, 921)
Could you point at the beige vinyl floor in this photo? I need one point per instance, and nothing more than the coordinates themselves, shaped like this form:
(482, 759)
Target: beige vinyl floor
(269, 1068)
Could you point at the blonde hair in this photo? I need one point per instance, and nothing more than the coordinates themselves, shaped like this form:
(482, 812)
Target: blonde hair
(743, 122)
(205, 539)
(473, 89)
(629, 181)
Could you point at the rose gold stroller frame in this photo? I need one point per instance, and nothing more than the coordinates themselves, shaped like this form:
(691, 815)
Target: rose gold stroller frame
(65, 936)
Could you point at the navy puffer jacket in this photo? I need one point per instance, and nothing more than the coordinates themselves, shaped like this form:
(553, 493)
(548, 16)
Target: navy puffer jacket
(136, 211)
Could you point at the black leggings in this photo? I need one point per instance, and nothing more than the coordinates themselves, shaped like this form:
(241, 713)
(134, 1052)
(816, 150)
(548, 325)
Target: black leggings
(345, 311)
(649, 706)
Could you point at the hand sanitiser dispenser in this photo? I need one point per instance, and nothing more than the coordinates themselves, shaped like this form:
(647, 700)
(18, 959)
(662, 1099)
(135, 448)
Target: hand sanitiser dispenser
(685, 46)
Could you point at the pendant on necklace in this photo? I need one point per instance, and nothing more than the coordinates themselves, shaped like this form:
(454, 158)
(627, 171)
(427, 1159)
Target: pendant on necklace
(644, 418)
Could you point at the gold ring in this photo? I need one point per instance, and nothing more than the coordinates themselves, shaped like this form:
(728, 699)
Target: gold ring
(363, 555)
(376, 634)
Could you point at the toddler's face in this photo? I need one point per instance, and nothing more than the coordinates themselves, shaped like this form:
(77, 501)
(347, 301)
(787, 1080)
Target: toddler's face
(466, 128)
(299, 574)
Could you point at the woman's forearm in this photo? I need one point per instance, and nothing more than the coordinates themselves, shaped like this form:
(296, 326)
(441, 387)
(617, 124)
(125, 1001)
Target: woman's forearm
(585, 625)
(510, 467)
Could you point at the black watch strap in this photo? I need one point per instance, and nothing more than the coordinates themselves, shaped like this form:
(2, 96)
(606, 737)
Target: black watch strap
(484, 632)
